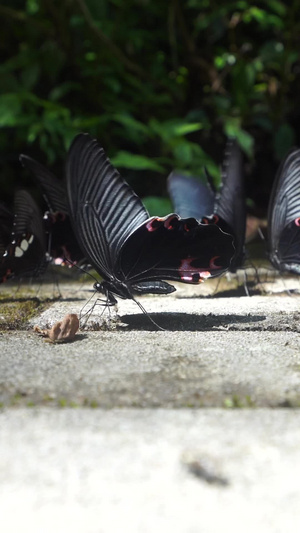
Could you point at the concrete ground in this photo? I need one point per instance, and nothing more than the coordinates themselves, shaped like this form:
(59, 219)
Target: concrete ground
(194, 428)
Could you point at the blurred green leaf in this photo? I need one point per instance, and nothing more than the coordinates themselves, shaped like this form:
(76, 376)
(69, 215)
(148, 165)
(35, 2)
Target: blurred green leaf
(10, 108)
(158, 206)
(284, 139)
(160, 84)
(134, 161)
(171, 129)
(233, 129)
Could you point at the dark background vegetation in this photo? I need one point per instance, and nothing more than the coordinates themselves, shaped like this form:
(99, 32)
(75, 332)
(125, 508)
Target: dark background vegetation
(159, 83)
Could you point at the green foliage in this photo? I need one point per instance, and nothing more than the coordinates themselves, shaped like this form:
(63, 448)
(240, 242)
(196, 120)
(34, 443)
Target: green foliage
(161, 84)
(156, 205)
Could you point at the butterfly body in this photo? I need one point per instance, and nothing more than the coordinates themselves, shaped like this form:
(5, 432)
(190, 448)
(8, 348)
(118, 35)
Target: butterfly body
(131, 251)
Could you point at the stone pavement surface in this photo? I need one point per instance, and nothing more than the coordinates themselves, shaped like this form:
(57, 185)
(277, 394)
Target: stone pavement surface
(191, 429)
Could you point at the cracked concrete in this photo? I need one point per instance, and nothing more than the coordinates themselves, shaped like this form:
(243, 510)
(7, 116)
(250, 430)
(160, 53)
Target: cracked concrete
(194, 428)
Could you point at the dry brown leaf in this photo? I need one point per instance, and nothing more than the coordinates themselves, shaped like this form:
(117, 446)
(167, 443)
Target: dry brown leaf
(63, 331)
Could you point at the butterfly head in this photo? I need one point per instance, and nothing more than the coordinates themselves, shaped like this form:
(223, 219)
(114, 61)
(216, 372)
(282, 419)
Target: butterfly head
(109, 288)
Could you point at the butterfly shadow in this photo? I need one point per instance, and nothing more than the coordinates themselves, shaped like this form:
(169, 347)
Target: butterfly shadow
(189, 321)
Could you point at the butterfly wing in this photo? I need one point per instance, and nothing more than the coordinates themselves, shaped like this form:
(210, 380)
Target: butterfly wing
(284, 213)
(103, 208)
(62, 241)
(6, 222)
(288, 255)
(53, 189)
(174, 249)
(190, 197)
(230, 202)
(26, 253)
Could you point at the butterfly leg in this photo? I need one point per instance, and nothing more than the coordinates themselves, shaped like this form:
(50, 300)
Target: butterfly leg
(86, 313)
(245, 283)
(108, 302)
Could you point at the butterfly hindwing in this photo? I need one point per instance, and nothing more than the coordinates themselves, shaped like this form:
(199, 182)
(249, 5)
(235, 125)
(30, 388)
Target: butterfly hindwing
(6, 222)
(288, 255)
(26, 253)
(174, 249)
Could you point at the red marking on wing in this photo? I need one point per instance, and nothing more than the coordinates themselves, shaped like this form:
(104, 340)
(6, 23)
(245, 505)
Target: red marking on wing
(212, 265)
(152, 224)
(190, 273)
(155, 223)
(168, 221)
(213, 219)
(7, 275)
(297, 221)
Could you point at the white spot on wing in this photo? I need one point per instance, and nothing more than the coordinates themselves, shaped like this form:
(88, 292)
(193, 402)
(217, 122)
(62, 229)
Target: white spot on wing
(18, 251)
(24, 245)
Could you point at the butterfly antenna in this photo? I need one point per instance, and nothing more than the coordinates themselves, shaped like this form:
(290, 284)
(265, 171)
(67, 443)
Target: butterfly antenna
(80, 268)
(67, 260)
(142, 308)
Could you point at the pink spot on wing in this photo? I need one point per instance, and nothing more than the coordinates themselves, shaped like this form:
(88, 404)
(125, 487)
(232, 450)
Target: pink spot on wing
(156, 222)
(297, 221)
(150, 226)
(168, 220)
(213, 219)
(212, 265)
(190, 273)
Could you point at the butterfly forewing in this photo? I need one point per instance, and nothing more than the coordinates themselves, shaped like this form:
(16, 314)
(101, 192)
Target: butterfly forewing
(284, 213)
(62, 243)
(190, 197)
(226, 209)
(53, 189)
(104, 209)
(230, 203)
(284, 205)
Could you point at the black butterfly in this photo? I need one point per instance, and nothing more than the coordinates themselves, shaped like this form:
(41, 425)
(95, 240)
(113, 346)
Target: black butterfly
(62, 242)
(284, 215)
(226, 208)
(132, 252)
(25, 253)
